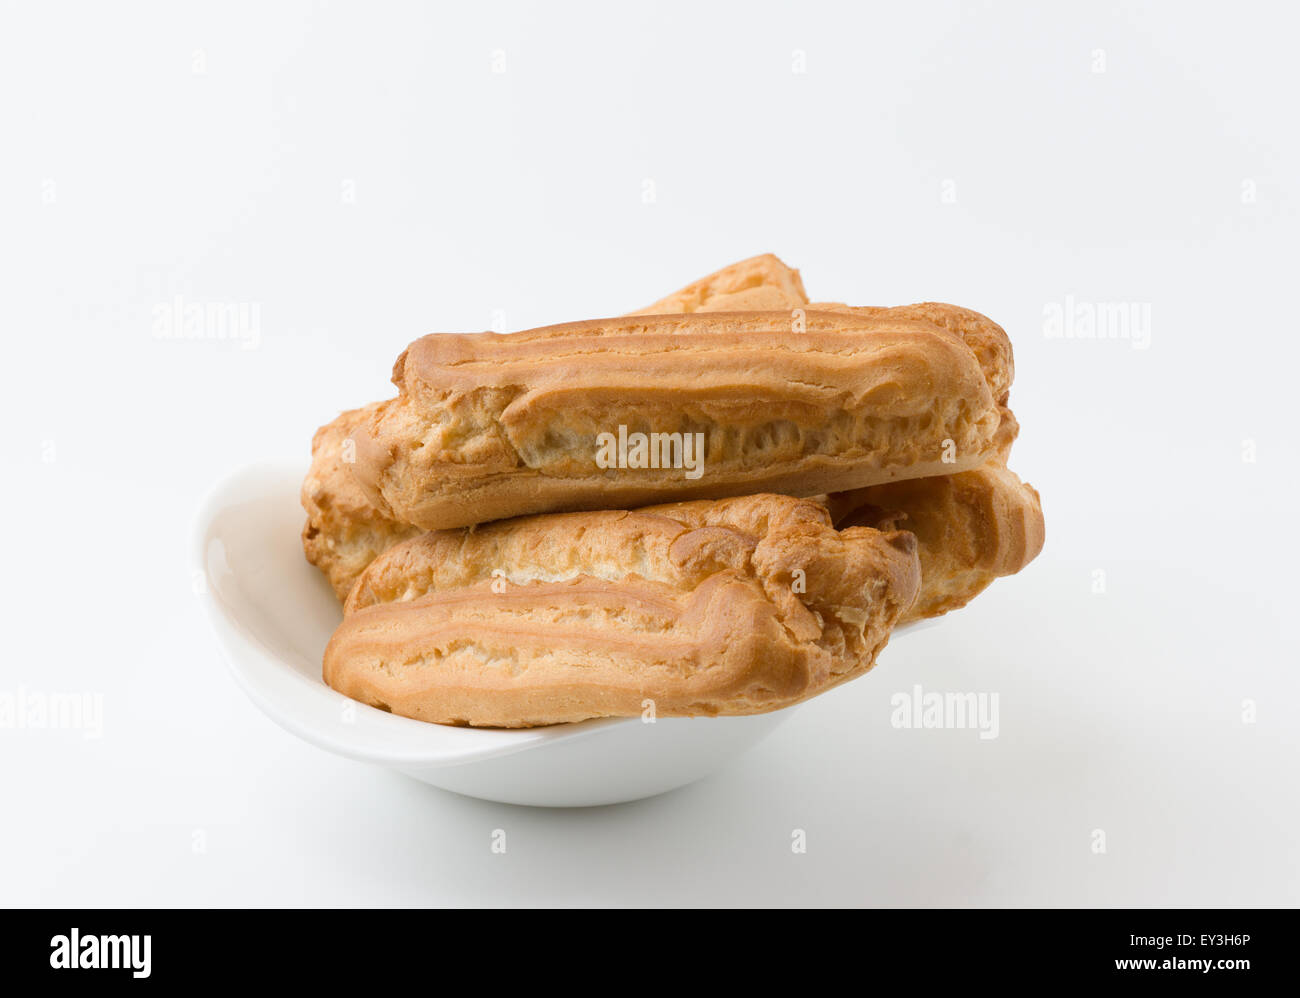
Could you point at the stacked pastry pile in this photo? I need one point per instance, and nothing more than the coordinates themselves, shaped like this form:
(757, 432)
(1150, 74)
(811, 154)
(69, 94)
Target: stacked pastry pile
(720, 504)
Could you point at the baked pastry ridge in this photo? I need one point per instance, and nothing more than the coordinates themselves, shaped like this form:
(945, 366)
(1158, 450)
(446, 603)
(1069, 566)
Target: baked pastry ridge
(489, 426)
(757, 284)
(736, 606)
(985, 338)
(344, 531)
(971, 527)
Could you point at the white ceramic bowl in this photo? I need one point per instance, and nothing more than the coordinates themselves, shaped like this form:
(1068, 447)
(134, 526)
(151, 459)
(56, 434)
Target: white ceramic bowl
(273, 614)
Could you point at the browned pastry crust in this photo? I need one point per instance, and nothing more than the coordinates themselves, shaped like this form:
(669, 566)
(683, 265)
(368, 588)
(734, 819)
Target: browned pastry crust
(344, 531)
(489, 426)
(986, 339)
(761, 283)
(733, 607)
(766, 283)
(972, 527)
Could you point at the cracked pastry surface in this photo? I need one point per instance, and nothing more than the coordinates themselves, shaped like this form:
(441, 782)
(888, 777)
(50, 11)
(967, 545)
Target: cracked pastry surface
(344, 531)
(971, 527)
(757, 284)
(986, 339)
(694, 606)
(489, 426)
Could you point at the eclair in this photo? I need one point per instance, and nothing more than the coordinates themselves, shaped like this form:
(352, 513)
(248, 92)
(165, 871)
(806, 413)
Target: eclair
(344, 531)
(738, 606)
(761, 283)
(971, 528)
(626, 412)
(766, 283)
(985, 338)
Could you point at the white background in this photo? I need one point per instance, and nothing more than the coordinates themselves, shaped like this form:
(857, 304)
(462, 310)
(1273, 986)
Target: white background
(155, 151)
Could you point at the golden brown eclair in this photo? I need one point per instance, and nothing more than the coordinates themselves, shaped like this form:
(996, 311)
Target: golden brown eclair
(761, 283)
(972, 527)
(489, 426)
(986, 339)
(738, 606)
(344, 531)
(766, 283)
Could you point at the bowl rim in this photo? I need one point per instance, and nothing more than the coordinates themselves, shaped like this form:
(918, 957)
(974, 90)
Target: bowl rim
(310, 709)
(313, 711)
